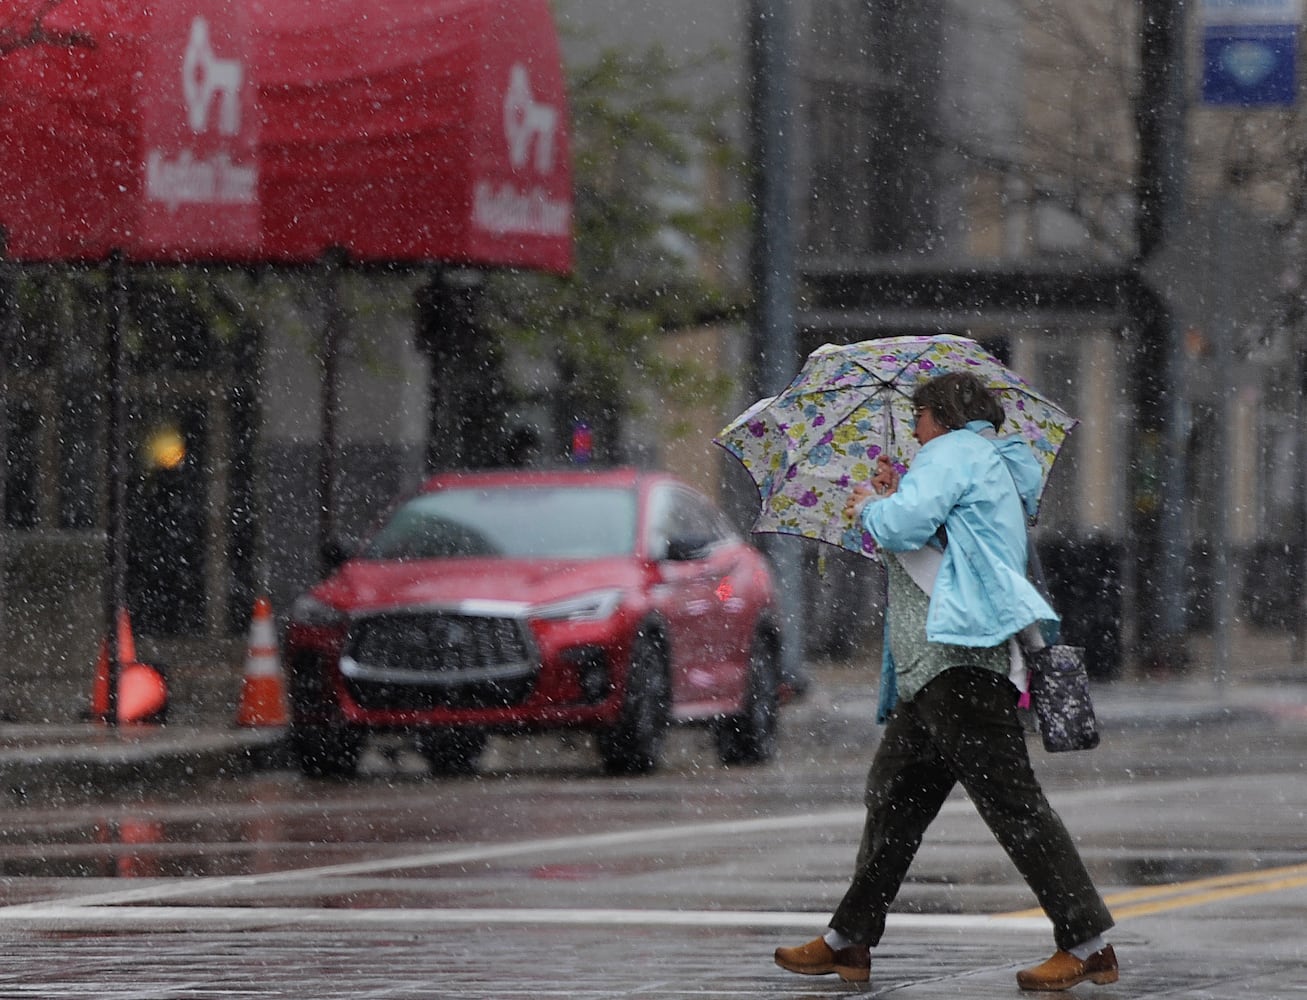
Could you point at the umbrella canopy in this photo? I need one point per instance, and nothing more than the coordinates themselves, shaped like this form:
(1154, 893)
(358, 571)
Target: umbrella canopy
(809, 446)
(276, 130)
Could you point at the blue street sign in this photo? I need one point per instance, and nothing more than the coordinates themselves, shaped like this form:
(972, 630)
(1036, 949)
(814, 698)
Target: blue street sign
(1250, 65)
(1250, 50)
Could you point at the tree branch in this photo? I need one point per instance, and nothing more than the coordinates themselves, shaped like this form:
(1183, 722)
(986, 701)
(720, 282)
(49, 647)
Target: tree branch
(28, 30)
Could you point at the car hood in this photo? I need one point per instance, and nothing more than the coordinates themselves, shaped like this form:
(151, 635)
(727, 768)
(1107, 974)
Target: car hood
(362, 586)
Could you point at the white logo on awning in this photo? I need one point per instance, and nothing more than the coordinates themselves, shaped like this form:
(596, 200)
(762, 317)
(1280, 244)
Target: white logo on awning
(526, 121)
(187, 176)
(512, 207)
(205, 76)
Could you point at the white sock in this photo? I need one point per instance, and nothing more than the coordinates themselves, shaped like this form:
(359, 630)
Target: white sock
(835, 940)
(1085, 948)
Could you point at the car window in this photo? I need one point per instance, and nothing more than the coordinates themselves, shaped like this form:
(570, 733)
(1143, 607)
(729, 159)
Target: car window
(685, 516)
(549, 522)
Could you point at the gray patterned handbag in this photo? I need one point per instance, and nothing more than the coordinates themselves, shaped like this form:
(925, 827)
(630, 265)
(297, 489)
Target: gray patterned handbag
(1059, 693)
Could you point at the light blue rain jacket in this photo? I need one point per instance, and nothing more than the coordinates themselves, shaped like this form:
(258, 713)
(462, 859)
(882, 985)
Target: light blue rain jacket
(965, 482)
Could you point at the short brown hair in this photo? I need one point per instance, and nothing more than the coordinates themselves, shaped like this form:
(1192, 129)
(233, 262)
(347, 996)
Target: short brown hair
(958, 398)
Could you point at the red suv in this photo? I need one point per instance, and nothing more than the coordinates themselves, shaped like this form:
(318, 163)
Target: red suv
(615, 601)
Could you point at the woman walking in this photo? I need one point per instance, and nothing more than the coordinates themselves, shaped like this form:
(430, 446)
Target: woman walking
(955, 523)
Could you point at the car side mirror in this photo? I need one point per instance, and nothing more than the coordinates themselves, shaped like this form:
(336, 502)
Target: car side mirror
(687, 549)
(333, 555)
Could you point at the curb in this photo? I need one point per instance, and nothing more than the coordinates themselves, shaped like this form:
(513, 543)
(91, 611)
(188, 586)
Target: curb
(99, 762)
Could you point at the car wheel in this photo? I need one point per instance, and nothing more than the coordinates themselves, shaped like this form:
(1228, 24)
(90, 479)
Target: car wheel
(451, 751)
(635, 744)
(325, 751)
(750, 736)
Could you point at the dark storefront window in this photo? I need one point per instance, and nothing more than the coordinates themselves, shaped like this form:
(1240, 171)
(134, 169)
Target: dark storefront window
(22, 473)
(191, 434)
(167, 533)
(80, 445)
(871, 88)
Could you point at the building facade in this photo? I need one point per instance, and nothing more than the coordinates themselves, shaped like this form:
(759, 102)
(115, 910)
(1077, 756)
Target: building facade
(960, 167)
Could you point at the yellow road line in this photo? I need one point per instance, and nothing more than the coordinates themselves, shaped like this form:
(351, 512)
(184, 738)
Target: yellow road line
(1196, 892)
(1161, 906)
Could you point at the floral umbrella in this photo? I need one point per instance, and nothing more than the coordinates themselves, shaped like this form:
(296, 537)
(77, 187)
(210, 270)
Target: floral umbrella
(809, 446)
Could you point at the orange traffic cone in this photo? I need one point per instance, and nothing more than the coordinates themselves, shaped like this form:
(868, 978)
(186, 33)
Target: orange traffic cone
(126, 654)
(142, 690)
(142, 694)
(263, 694)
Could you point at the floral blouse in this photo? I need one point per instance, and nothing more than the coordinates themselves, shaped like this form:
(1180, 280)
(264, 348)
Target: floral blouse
(917, 661)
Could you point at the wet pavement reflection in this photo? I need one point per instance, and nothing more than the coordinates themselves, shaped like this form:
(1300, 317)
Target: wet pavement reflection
(278, 820)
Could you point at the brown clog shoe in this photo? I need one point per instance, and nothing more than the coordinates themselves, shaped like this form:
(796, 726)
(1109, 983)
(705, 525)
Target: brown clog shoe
(817, 958)
(1064, 970)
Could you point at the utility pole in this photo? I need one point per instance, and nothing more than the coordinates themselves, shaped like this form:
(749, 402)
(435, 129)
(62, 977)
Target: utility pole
(772, 270)
(1159, 392)
(333, 332)
(116, 431)
(8, 341)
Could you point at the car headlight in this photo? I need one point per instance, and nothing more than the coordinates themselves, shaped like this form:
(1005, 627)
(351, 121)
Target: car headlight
(592, 607)
(308, 610)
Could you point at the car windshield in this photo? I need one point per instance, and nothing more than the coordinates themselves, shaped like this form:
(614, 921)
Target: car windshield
(561, 522)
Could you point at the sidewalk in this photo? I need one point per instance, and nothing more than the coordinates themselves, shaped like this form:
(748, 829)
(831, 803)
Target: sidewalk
(92, 758)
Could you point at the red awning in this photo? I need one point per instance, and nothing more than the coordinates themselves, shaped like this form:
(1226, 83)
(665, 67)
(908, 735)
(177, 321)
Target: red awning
(276, 130)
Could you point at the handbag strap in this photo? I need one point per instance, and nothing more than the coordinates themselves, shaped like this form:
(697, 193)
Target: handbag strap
(1035, 568)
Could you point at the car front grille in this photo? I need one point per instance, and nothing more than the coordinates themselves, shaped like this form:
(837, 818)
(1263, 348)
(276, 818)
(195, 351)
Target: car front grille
(438, 658)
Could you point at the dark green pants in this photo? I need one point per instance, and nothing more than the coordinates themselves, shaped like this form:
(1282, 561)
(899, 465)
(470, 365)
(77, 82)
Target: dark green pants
(963, 727)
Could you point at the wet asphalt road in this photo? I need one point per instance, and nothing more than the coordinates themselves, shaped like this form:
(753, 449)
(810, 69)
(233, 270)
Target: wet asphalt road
(541, 878)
